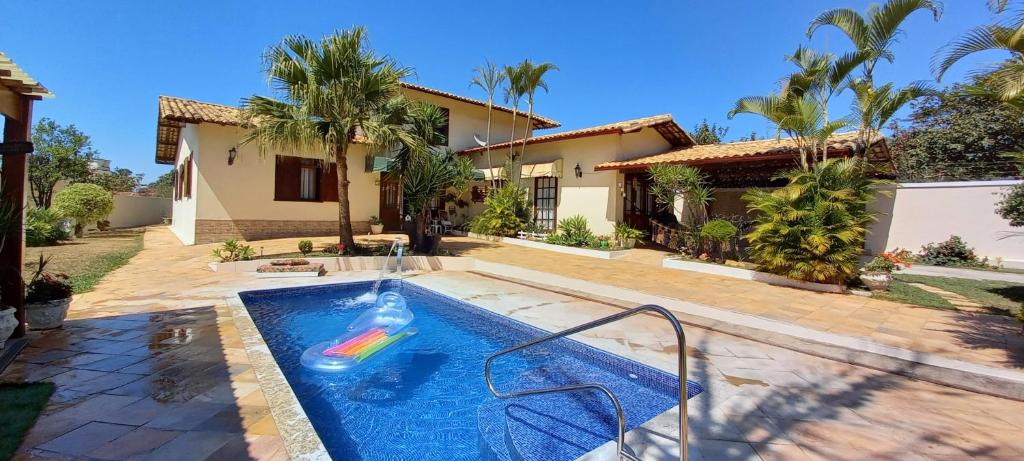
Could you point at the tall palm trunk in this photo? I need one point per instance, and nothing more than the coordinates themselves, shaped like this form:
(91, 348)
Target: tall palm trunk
(490, 164)
(512, 139)
(526, 136)
(345, 236)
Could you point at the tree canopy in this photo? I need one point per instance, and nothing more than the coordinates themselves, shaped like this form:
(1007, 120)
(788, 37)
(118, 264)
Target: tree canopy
(709, 133)
(61, 153)
(953, 135)
(119, 180)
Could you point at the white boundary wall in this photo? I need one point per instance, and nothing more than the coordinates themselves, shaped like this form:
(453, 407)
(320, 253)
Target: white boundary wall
(919, 213)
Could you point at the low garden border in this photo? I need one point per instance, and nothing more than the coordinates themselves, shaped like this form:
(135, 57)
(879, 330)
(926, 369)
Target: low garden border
(591, 253)
(747, 274)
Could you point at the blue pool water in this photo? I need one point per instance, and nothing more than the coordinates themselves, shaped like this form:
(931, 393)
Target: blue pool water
(425, 398)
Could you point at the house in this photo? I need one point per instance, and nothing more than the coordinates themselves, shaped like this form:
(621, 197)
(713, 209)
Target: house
(226, 190)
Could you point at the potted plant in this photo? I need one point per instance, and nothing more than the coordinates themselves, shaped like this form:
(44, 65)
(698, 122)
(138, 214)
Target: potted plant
(8, 223)
(627, 235)
(47, 299)
(877, 274)
(376, 225)
(604, 242)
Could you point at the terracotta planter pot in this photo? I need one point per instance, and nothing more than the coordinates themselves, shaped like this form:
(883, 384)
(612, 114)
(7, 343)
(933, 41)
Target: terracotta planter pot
(376, 229)
(876, 280)
(7, 324)
(48, 315)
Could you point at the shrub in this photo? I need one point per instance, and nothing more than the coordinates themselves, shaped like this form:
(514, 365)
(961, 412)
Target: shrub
(231, 250)
(1011, 207)
(575, 231)
(886, 262)
(952, 252)
(718, 230)
(43, 228)
(506, 211)
(305, 246)
(624, 231)
(85, 203)
(46, 287)
(813, 228)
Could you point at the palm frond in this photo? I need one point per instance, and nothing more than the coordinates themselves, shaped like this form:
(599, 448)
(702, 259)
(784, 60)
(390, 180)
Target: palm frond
(846, 20)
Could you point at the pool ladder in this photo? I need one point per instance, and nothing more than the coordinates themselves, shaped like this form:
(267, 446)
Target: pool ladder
(620, 437)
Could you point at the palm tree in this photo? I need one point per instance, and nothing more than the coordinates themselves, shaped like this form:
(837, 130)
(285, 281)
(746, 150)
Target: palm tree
(814, 227)
(329, 90)
(822, 76)
(800, 117)
(1004, 82)
(489, 78)
(533, 79)
(428, 176)
(874, 107)
(874, 33)
(514, 91)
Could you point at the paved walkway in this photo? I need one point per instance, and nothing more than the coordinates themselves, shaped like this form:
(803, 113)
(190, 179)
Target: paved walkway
(981, 338)
(151, 366)
(961, 273)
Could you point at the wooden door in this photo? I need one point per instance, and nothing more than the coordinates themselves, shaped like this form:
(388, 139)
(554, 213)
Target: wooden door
(391, 204)
(639, 204)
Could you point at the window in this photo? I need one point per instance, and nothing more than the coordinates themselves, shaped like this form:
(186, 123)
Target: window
(443, 129)
(307, 182)
(298, 179)
(545, 202)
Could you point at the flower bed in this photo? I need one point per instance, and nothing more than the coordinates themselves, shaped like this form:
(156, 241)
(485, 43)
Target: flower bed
(578, 251)
(747, 274)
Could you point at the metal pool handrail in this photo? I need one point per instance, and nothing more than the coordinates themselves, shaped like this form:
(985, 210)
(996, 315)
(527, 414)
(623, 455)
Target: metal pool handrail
(620, 438)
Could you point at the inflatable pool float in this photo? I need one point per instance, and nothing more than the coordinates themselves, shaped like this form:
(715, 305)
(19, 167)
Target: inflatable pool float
(373, 331)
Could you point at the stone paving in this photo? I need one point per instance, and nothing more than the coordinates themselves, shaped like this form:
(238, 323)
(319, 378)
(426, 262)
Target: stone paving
(981, 338)
(151, 366)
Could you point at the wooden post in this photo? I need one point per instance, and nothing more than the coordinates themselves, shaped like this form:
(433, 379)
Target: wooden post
(13, 176)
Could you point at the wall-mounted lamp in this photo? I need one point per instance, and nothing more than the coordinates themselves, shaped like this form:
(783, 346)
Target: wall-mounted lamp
(232, 153)
(578, 170)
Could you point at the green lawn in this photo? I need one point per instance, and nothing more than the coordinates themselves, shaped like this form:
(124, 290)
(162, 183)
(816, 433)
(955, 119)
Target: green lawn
(902, 292)
(1001, 297)
(20, 405)
(86, 260)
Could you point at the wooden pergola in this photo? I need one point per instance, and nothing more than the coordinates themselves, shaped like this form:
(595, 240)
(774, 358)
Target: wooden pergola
(18, 91)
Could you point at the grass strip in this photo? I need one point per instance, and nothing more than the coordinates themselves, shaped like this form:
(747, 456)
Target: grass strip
(20, 405)
(902, 292)
(1004, 297)
(93, 271)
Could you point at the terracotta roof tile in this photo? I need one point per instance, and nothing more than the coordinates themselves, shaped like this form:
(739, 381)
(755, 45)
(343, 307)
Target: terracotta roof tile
(664, 123)
(710, 153)
(538, 121)
(192, 111)
(17, 81)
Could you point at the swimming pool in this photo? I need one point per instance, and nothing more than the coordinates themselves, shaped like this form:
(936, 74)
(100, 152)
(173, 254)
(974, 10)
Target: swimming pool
(426, 398)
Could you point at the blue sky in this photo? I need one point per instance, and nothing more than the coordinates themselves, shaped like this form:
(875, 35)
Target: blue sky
(107, 61)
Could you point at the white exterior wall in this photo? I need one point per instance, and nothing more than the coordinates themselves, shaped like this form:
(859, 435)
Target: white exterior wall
(465, 120)
(245, 190)
(597, 195)
(137, 211)
(922, 213)
(183, 211)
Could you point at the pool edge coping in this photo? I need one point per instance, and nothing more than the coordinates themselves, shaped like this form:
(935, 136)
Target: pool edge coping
(301, 440)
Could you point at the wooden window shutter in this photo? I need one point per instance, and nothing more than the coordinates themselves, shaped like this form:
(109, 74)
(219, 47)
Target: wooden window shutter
(329, 182)
(188, 177)
(286, 178)
(174, 183)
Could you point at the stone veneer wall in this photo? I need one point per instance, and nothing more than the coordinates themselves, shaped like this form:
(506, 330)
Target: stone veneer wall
(215, 230)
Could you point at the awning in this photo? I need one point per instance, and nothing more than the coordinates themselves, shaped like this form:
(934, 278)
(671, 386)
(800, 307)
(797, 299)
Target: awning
(530, 170)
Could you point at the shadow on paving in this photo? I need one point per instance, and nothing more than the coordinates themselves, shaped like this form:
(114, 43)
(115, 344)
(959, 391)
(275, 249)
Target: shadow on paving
(159, 385)
(834, 418)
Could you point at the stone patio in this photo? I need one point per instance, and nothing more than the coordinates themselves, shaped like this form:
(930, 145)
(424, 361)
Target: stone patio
(152, 365)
